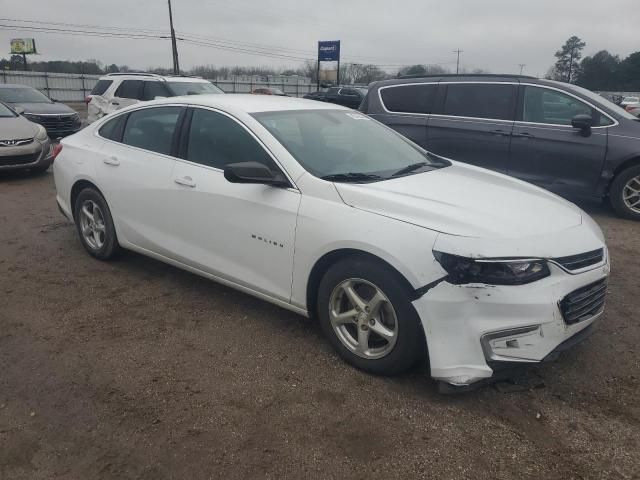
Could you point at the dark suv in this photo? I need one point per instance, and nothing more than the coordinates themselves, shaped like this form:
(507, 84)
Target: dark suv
(556, 135)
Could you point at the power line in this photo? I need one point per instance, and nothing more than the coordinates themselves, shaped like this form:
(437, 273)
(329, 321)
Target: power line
(135, 36)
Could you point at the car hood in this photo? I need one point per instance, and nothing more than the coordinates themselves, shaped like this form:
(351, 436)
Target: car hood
(466, 201)
(40, 108)
(17, 128)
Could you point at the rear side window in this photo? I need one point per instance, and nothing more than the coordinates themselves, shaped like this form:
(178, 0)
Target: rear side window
(155, 89)
(349, 92)
(152, 129)
(112, 129)
(492, 101)
(101, 87)
(410, 98)
(216, 140)
(130, 89)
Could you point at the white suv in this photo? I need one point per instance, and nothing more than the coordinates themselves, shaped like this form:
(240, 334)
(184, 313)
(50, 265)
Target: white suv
(119, 90)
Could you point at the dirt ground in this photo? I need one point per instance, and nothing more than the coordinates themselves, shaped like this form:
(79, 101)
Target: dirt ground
(137, 370)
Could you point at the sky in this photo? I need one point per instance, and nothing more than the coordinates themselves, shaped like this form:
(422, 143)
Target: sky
(495, 35)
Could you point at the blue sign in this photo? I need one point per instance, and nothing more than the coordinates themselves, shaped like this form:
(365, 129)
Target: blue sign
(329, 51)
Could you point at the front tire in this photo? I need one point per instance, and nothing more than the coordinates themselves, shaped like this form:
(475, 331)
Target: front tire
(95, 225)
(367, 316)
(624, 193)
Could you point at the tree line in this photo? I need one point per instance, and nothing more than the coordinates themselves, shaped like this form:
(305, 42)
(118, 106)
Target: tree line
(602, 71)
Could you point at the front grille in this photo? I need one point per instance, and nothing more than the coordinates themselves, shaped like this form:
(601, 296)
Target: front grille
(584, 303)
(582, 260)
(15, 142)
(56, 123)
(18, 159)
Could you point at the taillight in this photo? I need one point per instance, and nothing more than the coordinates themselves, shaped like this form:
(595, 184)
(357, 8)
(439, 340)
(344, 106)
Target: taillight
(87, 100)
(628, 108)
(57, 148)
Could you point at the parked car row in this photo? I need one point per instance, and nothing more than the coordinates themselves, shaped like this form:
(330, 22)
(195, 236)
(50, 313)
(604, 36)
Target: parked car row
(555, 135)
(346, 96)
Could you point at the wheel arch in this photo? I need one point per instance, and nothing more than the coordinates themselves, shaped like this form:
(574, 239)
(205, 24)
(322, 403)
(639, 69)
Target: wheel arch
(629, 162)
(328, 259)
(77, 187)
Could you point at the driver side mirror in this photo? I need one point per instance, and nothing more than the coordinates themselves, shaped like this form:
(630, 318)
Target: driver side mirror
(254, 172)
(583, 123)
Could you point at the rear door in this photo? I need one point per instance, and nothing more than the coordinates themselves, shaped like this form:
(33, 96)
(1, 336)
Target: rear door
(547, 151)
(474, 123)
(406, 109)
(135, 173)
(129, 92)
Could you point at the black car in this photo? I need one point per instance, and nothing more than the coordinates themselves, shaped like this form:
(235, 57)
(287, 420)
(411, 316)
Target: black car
(57, 118)
(559, 136)
(346, 96)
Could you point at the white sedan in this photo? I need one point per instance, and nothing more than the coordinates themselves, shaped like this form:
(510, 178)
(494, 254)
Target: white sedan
(401, 255)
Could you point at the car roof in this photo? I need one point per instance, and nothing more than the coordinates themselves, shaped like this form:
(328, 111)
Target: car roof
(147, 76)
(247, 103)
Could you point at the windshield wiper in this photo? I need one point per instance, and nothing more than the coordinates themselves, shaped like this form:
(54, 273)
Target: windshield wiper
(410, 168)
(351, 177)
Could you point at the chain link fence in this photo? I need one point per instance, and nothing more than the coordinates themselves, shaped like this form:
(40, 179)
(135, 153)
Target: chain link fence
(68, 87)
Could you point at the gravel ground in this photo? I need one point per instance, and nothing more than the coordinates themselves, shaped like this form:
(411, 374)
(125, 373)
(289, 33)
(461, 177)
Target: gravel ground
(137, 370)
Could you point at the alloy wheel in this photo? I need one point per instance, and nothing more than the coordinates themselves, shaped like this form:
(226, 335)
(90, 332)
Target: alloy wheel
(92, 224)
(631, 194)
(363, 318)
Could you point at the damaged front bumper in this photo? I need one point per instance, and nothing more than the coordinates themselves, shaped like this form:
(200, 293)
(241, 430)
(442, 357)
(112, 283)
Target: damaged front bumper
(474, 331)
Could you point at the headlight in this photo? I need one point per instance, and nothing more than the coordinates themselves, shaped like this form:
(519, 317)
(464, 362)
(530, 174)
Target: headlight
(463, 270)
(42, 134)
(33, 118)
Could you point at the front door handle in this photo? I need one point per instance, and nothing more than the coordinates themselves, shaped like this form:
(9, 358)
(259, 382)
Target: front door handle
(113, 161)
(115, 103)
(523, 135)
(185, 182)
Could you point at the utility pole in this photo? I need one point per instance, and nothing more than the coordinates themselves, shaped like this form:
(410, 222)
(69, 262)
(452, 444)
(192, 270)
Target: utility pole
(522, 65)
(174, 46)
(458, 62)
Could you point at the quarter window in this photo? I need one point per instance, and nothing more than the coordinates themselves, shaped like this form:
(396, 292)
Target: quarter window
(130, 89)
(152, 129)
(101, 87)
(541, 105)
(215, 140)
(410, 98)
(493, 101)
(112, 129)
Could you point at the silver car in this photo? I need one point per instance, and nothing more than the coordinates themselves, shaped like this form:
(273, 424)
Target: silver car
(23, 144)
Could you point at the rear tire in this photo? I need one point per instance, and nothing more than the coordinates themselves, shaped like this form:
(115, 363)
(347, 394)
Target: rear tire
(624, 194)
(367, 316)
(95, 225)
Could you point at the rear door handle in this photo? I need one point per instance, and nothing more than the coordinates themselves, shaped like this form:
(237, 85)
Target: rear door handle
(523, 135)
(185, 182)
(113, 161)
(500, 132)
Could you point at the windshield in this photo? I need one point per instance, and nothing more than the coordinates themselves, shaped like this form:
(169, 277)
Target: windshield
(6, 112)
(22, 95)
(193, 88)
(343, 143)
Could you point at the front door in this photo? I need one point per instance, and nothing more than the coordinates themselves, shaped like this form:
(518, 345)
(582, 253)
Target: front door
(474, 124)
(547, 151)
(244, 233)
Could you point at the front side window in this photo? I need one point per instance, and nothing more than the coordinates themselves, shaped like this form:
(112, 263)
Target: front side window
(330, 143)
(101, 87)
(154, 89)
(491, 101)
(542, 105)
(192, 88)
(130, 89)
(409, 98)
(152, 129)
(216, 140)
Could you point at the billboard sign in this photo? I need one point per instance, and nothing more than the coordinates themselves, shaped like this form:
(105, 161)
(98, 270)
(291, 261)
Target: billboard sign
(20, 46)
(329, 51)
